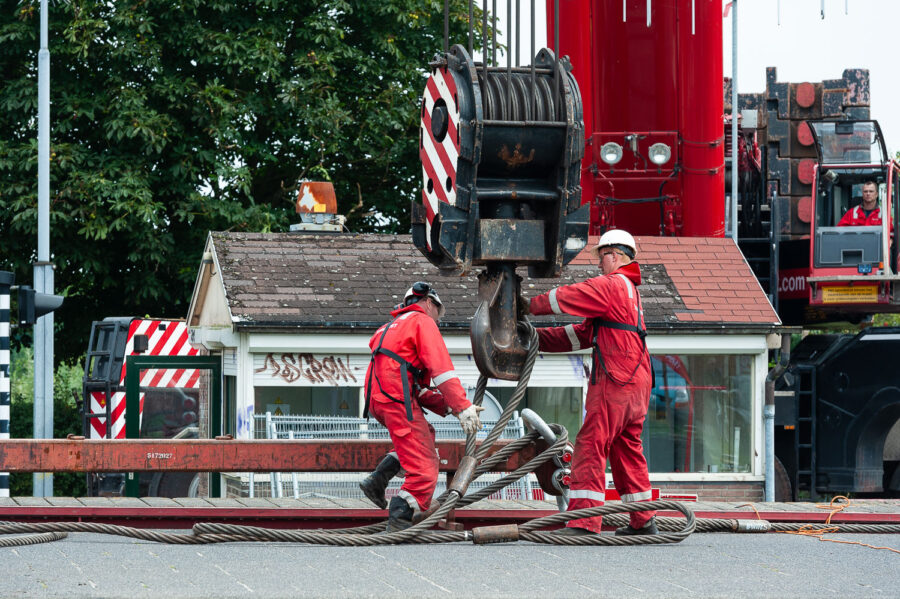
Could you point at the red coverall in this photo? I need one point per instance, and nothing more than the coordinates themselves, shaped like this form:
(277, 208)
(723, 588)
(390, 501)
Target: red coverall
(856, 217)
(619, 394)
(414, 336)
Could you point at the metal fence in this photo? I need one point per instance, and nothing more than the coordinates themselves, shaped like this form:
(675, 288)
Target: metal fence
(337, 485)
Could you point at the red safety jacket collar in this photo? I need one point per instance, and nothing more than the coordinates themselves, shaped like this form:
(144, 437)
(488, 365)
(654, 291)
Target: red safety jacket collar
(632, 270)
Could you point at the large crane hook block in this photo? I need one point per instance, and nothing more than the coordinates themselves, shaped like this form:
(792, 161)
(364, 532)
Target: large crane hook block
(501, 151)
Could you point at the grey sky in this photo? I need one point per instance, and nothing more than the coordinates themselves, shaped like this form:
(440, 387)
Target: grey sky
(806, 47)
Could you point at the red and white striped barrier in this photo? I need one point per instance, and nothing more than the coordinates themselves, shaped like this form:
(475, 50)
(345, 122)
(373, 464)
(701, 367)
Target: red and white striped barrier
(439, 150)
(165, 338)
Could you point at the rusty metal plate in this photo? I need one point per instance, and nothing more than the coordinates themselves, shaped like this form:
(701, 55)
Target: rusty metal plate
(511, 240)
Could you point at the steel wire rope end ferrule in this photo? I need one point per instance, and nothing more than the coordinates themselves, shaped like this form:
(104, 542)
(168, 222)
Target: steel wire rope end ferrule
(751, 526)
(503, 533)
(464, 475)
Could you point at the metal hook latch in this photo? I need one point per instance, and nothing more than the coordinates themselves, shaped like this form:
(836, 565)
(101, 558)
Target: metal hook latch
(499, 345)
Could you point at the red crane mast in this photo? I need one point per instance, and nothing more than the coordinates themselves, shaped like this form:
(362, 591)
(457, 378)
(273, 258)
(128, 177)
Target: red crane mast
(649, 79)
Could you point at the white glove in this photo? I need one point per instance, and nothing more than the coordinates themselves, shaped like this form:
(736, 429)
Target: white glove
(469, 419)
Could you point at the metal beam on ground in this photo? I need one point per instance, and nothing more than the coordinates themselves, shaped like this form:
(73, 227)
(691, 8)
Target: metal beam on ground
(214, 455)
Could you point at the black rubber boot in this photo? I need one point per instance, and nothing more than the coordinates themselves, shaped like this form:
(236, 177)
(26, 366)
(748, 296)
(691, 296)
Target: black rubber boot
(400, 515)
(373, 486)
(648, 529)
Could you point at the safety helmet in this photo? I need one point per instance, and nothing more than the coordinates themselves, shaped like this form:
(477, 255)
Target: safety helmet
(619, 239)
(420, 290)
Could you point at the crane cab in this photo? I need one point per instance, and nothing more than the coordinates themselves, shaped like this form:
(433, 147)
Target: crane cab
(853, 244)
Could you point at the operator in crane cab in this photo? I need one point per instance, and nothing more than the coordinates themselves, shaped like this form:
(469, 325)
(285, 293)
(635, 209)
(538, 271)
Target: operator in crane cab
(867, 213)
(408, 353)
(619, 393)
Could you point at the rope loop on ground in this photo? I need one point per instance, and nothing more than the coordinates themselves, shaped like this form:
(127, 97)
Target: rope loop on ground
(672, 530)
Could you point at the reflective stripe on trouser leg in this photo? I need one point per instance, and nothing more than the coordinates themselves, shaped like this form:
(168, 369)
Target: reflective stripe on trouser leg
(629, 470)
(587, 494)
(642, 496)
(410, 500)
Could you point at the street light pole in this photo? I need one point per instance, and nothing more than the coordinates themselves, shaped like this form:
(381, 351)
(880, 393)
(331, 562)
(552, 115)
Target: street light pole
(735, 112)
(43, 268)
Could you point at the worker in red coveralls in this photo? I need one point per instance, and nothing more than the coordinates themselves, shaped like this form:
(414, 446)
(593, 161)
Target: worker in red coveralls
(407, 353)
(619, 393)
(866, 213)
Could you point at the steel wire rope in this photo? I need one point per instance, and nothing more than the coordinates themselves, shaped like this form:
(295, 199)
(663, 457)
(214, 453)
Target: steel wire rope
(32, 539)
(528, 532)
(445, 503)
(419, 533)
(673, 530)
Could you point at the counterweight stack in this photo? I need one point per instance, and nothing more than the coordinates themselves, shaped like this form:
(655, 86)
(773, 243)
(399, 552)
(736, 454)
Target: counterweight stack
(501, 151)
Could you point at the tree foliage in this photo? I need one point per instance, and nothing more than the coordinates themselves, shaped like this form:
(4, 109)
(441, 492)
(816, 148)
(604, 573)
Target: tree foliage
(66, 418)
(169, 119)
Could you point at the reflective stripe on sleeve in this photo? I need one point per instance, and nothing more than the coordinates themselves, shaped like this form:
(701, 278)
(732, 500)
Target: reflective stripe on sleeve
(444, 377)
(554, 305)
(642, 496)
(586, 494)
(573, 338)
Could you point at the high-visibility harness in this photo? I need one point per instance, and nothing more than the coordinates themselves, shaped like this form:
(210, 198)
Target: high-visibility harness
(640, 330)
(405, 368)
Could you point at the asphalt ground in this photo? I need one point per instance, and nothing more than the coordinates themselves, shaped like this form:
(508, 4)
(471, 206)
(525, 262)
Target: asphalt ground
(704, 565)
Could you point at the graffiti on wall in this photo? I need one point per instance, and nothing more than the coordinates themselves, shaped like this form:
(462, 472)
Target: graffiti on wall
(244, 428)
(293, 367)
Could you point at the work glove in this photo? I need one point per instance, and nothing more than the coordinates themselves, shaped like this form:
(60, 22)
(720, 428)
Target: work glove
(469, 419)
(523, 307)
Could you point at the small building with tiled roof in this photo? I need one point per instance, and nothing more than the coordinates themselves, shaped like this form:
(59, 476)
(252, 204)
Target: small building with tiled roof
(291, 315)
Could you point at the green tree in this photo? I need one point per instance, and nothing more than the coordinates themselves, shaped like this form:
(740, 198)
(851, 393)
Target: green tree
(172, 119)
(66, 417)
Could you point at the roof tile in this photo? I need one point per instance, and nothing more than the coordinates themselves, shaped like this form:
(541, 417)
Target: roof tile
(303, 278)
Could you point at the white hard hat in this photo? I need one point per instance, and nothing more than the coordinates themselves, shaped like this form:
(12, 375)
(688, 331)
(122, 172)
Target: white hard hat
(418, 291)
(617, 238)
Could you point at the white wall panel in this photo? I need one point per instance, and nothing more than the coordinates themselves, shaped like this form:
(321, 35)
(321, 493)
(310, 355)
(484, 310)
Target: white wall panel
(549, 371)
(279, 369)
(229, 361)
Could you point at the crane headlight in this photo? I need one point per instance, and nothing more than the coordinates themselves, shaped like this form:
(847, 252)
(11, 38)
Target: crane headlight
(611, 153)
(660, 154)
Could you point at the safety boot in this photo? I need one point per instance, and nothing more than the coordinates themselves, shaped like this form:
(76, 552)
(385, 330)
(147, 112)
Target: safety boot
(400, 515)
(648, 529)
(373, 486)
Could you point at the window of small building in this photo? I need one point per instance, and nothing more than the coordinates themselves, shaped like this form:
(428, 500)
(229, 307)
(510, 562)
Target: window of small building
(229, 413)
(307, 401)
(700, 414)
(560, 405)
(699, 417)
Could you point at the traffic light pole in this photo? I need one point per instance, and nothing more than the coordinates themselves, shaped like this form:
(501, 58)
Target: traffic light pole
(43, 268)
(6, 281)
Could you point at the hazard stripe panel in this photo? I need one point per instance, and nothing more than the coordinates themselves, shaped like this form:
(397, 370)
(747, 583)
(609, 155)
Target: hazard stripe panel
(165, 338)
(439, 158)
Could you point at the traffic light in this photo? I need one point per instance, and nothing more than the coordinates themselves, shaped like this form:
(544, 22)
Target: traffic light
(33, 305)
